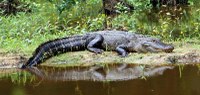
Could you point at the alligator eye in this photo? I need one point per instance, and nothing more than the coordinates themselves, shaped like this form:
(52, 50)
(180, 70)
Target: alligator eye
(146, 45)
(153, 40)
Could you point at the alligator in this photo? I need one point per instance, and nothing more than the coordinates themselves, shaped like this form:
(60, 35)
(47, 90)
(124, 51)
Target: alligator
(120, 41)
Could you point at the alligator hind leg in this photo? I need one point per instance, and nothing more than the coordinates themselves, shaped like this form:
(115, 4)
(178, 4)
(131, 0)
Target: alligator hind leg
(95, 44)
(121, 49)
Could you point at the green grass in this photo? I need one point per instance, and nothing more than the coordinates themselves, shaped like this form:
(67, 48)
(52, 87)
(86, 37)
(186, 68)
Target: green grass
(25, 31)
(17, 76)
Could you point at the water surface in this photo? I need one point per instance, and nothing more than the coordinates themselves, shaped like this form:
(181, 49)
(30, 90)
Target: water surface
(165, 80)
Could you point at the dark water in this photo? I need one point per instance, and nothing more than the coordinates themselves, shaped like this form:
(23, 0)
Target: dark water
(166, 80)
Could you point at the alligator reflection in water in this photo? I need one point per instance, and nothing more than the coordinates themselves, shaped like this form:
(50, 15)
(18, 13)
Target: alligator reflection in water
(177, 81)
(99, 73)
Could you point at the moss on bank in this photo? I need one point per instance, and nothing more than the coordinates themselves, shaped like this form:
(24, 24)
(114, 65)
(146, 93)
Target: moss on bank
(183, 55)
(187, 52)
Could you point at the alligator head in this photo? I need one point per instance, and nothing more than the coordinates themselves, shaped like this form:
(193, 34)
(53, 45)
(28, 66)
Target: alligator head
(152, 45)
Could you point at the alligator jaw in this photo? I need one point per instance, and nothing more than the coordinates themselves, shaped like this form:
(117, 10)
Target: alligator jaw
(168, 48)
(158, 47)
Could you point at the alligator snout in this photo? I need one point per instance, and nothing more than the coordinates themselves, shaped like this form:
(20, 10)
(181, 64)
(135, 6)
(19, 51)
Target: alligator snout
(169, 48)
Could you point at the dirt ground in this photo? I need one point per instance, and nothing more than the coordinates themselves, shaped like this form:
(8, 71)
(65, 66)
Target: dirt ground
(184, 53)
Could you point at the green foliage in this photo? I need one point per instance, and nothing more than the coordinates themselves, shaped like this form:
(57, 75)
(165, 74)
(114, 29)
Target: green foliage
(64, 4)
(45, 22)
(79, 12)
(120, 8)
(18, 77)
(124, 22)
(171, 23)
(23, 29)
(140, 5)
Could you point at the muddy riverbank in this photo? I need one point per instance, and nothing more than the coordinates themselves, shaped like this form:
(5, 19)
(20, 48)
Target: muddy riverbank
(184, 53)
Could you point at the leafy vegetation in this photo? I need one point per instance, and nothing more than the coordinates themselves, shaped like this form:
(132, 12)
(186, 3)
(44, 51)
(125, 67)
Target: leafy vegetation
(57, 18)
(18, 77)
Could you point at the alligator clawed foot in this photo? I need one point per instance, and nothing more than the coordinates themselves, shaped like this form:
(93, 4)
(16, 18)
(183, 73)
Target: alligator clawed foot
(22, 66)
(99, 51)
(124, 55)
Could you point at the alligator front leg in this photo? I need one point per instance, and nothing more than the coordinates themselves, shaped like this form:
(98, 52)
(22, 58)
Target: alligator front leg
(121, 49)
(95, 44)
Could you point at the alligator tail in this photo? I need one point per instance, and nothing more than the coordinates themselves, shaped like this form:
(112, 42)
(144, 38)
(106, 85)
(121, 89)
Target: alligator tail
(55, 47)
